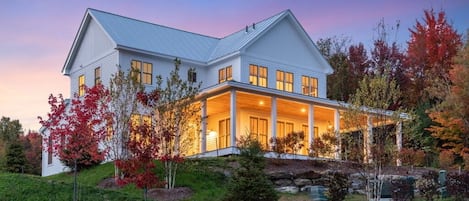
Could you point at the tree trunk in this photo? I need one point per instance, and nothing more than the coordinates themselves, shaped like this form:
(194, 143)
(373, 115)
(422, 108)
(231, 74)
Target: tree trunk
(75, 187)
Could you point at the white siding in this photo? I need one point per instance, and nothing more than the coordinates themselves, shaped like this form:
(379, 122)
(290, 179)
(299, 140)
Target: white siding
(284, 44)
(56, 166)
(283, 48)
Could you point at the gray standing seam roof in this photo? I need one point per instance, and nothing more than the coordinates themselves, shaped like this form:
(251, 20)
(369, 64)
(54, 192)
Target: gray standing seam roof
(164, 40)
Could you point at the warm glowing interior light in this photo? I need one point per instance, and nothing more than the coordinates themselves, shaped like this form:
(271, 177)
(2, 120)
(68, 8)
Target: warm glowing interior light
(261, 102)
(303, 110)
(212, 133)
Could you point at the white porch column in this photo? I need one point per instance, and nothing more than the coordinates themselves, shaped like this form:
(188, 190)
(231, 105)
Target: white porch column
(368, 139)
(233, 118)
(203, 133)
(273, 117)
(338, 147)
(310, 128)
(399, 141)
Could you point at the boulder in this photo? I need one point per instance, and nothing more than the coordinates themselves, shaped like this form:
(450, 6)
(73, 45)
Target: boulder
(302, 182)
(288, 189)
(283, 182)
(308, 175)
(280, 175)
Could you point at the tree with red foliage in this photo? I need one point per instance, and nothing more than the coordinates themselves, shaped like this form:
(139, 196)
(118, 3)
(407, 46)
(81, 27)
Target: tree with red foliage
(32, 143)
(431, 48)
(176, 115)
(77, 127)
(139, 167)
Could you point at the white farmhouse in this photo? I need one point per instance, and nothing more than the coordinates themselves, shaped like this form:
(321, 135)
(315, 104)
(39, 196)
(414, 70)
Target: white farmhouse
(266, 80)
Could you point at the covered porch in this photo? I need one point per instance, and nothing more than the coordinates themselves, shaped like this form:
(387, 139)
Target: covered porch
(233, 110)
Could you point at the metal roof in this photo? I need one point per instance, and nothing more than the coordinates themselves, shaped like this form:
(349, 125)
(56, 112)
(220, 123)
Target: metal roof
(140, 35)
(155, 38)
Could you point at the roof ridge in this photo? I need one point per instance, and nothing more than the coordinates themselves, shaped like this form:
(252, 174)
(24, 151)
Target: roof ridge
(221, 42)
(279, 13)
(152, 23)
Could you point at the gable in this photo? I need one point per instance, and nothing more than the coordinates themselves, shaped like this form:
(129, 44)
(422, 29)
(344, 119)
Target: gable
(285, 43)
(93, 45)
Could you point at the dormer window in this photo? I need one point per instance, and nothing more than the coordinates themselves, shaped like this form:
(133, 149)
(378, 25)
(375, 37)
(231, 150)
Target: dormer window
(258, 75)
(191, 75)
(142, 71)
(225, 74)
(309, 86)
(284, 81)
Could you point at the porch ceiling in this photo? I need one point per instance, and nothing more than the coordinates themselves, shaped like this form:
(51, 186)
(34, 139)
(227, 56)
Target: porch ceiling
(221, 103)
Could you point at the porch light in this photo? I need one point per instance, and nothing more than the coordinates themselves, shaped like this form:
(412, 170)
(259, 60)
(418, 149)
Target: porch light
(213, 135)
(261, 102)
(303, 110)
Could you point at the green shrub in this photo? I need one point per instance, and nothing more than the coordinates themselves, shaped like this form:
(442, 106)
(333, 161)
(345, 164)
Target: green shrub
(249, 182)
(337, 184)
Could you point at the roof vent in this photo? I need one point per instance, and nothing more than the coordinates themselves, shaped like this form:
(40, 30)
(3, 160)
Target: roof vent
(247, 28)
(253, 25)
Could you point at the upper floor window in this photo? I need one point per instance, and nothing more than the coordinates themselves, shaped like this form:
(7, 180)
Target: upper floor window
(284, 81)
(81, 85)
(309, 86)
(258, 75)
(97, 75)
(142, 71)
(191, 75)
(225, 74)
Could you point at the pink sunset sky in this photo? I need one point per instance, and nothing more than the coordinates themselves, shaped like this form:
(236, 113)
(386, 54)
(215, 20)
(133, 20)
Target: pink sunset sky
(36, 36)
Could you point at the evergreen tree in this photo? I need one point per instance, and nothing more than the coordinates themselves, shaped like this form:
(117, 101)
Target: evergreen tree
(249, 181)
(15, 158)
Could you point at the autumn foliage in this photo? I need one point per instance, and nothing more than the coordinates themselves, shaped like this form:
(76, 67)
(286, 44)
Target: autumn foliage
(76, 127)
(139, 168)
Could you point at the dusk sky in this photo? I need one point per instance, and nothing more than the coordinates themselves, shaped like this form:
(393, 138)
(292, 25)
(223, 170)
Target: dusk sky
(36, 36)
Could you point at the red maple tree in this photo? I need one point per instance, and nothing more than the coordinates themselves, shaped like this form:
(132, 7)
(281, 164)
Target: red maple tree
(139, 168)
(76, 127)
(431, 48)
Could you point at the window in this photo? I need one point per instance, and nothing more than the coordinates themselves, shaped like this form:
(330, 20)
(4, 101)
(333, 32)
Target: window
(225, 74)
(309, 86)
(97, 75)
(224, 133)
(142, 73)
(138, 120)
(284, 81)
(284, 128)
(81, 85)
(147, 73)
(191, 75)
(49, 151)
(258, 75)
(258, 130)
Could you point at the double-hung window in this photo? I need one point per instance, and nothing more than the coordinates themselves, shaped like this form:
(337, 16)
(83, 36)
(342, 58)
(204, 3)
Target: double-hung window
(309, 86)
(81, 85)
(225, 74)
(284, 81)
(258, 75)
(97, 75)
(142, 71)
